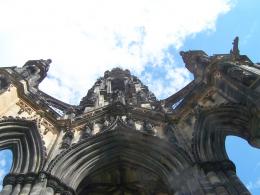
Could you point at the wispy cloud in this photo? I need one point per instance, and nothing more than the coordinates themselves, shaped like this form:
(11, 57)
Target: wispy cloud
(85, 38)
(253, 185)
(2, 162)
(250, 32)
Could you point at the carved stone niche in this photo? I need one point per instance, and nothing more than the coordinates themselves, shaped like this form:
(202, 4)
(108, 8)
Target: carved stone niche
(107, 121)
(67, 139)
(130, 122)
(97, 126)
(148, 127)
(86, 132)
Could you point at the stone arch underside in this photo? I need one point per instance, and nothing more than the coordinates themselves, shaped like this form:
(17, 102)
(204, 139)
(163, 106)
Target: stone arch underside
(121, 177)
(23, 138)
(208, 144)
(214, 125)
(119, 151)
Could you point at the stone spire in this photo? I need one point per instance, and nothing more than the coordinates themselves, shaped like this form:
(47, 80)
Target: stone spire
(34, 71)
(118, 86)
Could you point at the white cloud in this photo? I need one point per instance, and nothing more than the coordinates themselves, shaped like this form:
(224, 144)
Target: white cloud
(253, 185)
(2, 162)
(85, 38)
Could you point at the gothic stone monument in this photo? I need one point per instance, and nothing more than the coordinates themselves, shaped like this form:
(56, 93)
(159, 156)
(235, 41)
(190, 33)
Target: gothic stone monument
(121, 140)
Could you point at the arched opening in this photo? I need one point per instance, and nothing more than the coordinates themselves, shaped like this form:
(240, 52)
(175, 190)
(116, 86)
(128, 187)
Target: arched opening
(23, 138)
(122, 179)
(6, 161)
(119, 162)
(247, 161)
(212, 128)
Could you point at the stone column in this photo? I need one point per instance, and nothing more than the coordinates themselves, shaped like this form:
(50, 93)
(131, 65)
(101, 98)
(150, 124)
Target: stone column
(26, 189)
(29, 179)
(17, 189)
(37, 188)
(216, 182)
(52, 186)
(8, 184)
(39, 185)
(49, 191)
(7, 190)
(19, 182)
(238, 185)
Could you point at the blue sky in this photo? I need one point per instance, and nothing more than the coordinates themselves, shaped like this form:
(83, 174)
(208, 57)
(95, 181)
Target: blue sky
(142, 35)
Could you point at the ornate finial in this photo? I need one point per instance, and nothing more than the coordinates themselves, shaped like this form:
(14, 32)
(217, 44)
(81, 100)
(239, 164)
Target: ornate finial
(35, 71)
(48, 61)
(235, 50)
(39, 63)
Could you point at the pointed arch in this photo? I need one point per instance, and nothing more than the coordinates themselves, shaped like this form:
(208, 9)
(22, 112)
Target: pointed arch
(22, 137)
(212, 127)
(120, 146)
(208, 144)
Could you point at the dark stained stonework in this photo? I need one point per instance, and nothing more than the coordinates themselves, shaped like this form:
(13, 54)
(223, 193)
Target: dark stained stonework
(121, 140)
(118, 86)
